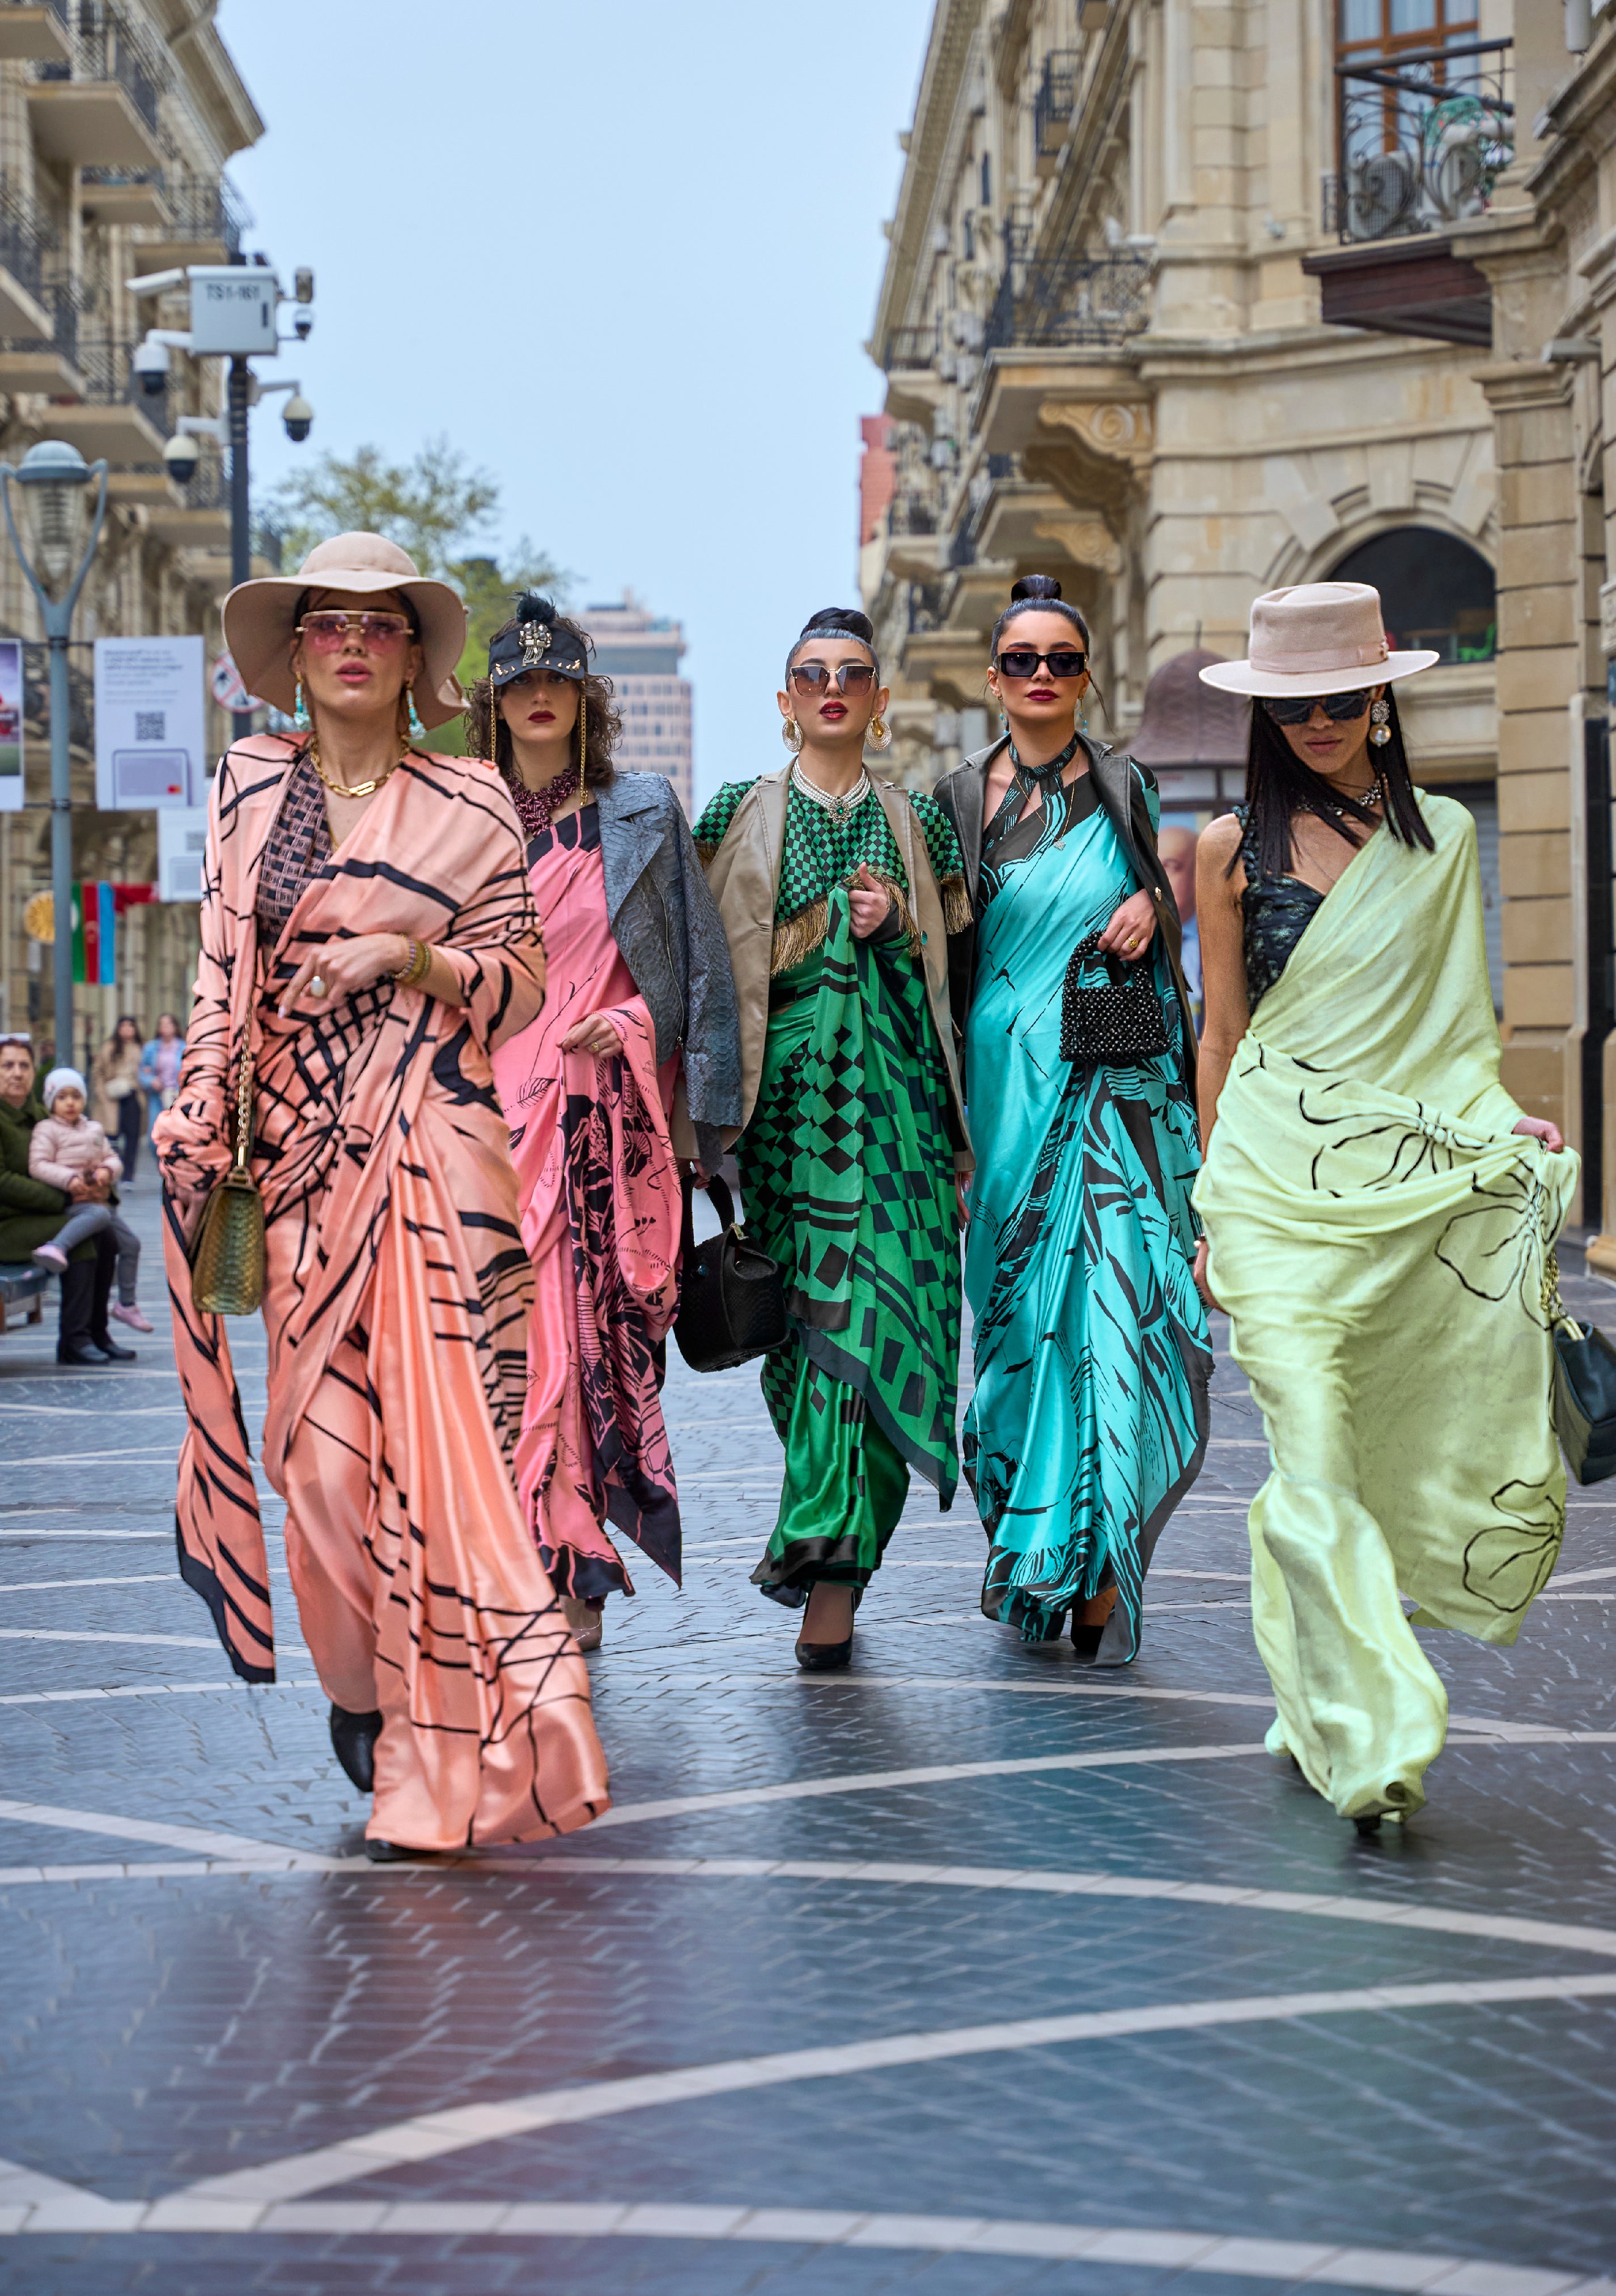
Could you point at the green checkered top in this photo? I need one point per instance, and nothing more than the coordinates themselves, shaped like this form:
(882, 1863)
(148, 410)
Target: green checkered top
(821, 853)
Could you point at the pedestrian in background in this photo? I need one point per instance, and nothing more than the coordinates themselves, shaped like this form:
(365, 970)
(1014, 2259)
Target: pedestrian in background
(32, 1211)
(1378, 1210)
(1176, 844)
(115, 1076)
(837, 895)
(1089, 1419)
(67, 1147)
(160, 1059)
(367, 935)
(639, 1003)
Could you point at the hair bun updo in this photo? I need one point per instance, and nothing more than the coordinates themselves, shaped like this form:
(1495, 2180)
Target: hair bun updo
(846, 620)
(1034, 588)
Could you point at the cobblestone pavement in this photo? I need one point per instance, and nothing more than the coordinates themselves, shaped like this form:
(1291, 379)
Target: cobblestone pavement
(969, 1972)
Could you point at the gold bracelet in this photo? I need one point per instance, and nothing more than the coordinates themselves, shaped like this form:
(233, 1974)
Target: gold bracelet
(416, 965)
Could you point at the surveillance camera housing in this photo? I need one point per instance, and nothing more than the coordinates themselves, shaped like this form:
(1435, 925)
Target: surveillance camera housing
(303, 322)
(299, 418)
(303, 283)
(181, 454)
(149, 366)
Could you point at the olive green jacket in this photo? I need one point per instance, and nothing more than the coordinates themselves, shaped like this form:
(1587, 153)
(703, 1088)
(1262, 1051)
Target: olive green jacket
(30, 1210)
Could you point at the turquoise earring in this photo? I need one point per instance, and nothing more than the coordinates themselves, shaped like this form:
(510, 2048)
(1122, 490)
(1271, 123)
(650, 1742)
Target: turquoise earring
(300, 717)
(417, 730)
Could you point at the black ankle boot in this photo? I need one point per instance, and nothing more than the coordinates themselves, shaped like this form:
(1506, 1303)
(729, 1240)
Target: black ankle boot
(353, 1739)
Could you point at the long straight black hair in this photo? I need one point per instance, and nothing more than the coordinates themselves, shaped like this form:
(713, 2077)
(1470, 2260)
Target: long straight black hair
(1278, 785)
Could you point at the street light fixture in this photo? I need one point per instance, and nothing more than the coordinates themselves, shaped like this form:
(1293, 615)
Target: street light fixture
(63, 531)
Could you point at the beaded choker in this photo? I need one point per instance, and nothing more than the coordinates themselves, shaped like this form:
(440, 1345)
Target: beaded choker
(537, 809)
(839, 808)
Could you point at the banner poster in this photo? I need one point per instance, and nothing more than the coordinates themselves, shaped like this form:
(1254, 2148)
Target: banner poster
(181, 847)
(11, 725)
(149, 724)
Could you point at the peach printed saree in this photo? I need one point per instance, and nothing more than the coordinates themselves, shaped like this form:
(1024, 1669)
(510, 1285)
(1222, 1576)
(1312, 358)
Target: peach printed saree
(396, 1303)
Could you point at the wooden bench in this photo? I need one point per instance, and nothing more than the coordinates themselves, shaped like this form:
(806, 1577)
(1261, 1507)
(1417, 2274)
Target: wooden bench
(21, 1285)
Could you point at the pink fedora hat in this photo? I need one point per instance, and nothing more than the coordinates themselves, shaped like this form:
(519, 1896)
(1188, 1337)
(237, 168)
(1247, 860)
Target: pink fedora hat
(1320, 637)
(260, 619)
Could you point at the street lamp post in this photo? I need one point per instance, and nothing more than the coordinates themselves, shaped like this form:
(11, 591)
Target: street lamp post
(56, 515)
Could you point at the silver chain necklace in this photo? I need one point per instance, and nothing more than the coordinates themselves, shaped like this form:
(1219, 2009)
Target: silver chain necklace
(839, 808)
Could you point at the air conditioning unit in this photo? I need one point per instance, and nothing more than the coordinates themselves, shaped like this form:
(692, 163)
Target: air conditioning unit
(1383, 195)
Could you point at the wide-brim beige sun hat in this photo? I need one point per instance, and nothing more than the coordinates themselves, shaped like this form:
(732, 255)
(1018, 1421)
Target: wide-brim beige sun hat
(261, 618)
(1317, 637)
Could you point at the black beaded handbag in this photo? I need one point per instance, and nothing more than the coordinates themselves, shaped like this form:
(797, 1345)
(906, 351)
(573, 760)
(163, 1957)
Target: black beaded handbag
(1118, 1021)
(732, 1303)
(1584, 1387)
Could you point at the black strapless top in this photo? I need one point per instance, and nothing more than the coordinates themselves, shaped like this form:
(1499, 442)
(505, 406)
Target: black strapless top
(1276, 912)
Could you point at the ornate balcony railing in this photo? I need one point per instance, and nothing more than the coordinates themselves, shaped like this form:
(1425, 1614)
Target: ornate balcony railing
(26, 240)
(912, 347)
(106, 45)
(1052, 105)
(1069, 299)
(910, 516)
(110, 381)
(205, 208)
(1424, 137)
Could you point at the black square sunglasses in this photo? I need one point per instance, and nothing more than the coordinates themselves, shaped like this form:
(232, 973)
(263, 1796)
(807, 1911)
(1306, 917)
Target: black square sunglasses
(1296, 709)
(1022, 661)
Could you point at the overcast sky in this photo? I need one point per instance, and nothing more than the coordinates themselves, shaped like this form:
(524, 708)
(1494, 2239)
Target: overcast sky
(626, 257)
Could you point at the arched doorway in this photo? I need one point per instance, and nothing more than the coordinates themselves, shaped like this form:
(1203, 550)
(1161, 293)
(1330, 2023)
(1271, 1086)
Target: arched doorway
(1435, 590)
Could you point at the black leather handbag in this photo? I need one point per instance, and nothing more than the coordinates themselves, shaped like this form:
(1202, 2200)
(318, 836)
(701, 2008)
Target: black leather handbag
(1585, 1388)
(732, 1303)
(1118, 1021)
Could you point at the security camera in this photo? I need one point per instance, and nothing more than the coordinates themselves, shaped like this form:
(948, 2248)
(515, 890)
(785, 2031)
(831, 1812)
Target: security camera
(299, 418)
(303, 284)
(303, 322)
(149, 365)
(181, 454)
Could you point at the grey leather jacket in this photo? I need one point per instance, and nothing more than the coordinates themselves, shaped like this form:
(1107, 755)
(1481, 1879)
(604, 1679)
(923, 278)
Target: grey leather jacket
(666, 926)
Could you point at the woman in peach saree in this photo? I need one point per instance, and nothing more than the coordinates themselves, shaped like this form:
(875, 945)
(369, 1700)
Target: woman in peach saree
(368, 934)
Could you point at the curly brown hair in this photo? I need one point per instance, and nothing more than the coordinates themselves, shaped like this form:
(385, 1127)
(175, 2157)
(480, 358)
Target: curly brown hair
(488, 736)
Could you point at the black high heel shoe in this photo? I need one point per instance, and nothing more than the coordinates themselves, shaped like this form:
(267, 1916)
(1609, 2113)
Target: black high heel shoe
(353, 1741)
(824, 1657)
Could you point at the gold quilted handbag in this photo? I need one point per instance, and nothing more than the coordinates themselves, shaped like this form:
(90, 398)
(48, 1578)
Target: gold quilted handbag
(227, 1250)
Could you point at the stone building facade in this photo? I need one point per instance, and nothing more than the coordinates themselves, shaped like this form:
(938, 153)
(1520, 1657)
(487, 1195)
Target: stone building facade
(117, 117)
(1184, 301)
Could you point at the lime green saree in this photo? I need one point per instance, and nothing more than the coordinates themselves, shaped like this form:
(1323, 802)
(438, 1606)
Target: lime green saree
(1378, 1235)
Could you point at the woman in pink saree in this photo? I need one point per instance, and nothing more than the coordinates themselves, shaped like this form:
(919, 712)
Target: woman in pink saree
(368, 936)
(640, 1012)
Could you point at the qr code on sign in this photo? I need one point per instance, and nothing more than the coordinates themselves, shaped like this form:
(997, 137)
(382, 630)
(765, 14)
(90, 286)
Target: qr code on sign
(151, 725)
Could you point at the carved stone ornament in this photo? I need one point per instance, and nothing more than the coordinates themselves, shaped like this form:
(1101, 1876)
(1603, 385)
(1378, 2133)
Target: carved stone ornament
(1118, 429)
(1086, 541)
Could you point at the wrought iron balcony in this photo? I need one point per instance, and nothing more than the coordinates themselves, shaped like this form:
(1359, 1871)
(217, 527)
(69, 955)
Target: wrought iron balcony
(909, 515)
(912, 347)
(1068, 299)
(1053, 104)
(106, 45)
(206, 210)
(26, 240)
(1424, 137)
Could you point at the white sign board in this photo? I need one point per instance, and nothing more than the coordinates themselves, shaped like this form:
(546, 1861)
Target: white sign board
(11, 725)
(149, 724)
(233, 308)
(182, 845)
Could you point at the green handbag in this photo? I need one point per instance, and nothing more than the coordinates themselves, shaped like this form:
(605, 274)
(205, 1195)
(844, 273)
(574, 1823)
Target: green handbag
(227, 1249)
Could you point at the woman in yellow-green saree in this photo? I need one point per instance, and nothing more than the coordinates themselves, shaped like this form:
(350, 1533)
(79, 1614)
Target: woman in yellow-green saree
(1378, 1210)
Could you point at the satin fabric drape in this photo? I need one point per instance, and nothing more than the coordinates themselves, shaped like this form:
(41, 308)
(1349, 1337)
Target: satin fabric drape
(395, 1307)
(1378, 1235)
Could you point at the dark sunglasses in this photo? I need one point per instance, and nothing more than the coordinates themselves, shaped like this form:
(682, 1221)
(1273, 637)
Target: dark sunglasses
(852, 677)
(1296, 709)
(1022, 661)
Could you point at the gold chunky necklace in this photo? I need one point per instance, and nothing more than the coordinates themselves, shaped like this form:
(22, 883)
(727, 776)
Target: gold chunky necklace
(359, 789)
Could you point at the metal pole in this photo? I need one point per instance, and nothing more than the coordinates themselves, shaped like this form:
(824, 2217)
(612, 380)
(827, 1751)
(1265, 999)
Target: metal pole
(58, 620)
(240, 505)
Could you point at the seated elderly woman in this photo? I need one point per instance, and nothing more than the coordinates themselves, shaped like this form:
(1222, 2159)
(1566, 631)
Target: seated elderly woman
(368, 935)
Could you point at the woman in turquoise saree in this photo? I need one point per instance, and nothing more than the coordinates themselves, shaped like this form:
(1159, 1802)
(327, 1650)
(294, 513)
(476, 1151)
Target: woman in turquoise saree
(1377, 1208)
(1088, 1422)
(837, 895)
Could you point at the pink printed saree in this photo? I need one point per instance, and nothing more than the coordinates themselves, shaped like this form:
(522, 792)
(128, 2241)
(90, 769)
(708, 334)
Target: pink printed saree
(601, 1215)
(396, 1305)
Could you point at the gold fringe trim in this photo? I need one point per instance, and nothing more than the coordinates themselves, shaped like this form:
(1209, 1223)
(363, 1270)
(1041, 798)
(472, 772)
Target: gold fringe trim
(957, 905)
(906, 923)
(704, 853)
(798, 937)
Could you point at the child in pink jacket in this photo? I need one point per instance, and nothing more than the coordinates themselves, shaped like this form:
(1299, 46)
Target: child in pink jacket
(66, 1149)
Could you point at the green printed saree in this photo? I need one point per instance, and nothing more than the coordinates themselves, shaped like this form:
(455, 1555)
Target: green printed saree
(1378, 1235)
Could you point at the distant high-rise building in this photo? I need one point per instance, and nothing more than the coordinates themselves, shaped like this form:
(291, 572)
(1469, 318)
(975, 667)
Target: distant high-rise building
(640, 652)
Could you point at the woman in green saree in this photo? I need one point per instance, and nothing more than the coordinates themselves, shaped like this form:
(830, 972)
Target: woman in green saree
(1378, 1210)
(837, 895)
